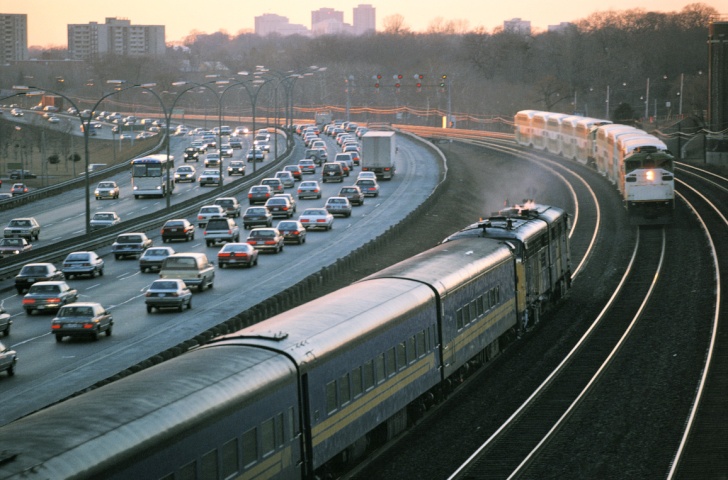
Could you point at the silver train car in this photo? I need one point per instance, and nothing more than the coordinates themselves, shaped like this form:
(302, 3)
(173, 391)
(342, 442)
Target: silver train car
(638, 164)
(302, 392)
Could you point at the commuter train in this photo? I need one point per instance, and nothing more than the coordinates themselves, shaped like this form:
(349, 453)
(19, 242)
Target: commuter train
(639, 164)
(300, 393)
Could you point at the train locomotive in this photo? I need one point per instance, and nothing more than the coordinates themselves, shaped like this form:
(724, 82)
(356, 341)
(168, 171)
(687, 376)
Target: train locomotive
(315, 386)
(638, 164)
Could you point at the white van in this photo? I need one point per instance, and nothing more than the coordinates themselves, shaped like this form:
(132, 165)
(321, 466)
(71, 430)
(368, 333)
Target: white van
(193, 268)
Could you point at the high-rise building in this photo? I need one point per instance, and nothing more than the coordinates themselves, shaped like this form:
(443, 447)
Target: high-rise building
(326, 14)
(13, 37)
(271, 23)
(115, 36)
(365, 19)
(518, 26)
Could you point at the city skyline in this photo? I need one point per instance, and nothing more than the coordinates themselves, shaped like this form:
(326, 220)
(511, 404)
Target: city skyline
(47, 21)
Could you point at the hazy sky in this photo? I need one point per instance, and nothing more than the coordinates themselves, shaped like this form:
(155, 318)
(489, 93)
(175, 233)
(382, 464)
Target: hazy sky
(47, 19)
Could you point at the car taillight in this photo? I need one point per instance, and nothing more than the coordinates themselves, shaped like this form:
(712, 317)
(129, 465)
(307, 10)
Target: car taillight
(270, 242)
(321, 220)
(28, 301)
(250, 195)
(54, 300)
(200, 217)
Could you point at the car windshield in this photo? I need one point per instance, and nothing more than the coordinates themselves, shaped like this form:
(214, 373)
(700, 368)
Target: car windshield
(106, 185)
(77, 257)
(263, 233)
(156, 252)
(173, 223)
(287, 226)
(13, 242)
(256, 211)
(129, 239)
(315, 211)
(184, 169)
(180, 263)
(235, 247)
(103, 216)
(163, 285)
(33, 270)
(209, 210)
(19, 223)
(74, 311)
(44, 289)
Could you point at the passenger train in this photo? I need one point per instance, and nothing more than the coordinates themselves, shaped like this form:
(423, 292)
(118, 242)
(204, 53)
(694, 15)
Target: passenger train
(639, 164)
(298, 394)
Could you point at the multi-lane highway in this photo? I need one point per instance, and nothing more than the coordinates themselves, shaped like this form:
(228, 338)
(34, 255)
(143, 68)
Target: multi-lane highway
(50, 371)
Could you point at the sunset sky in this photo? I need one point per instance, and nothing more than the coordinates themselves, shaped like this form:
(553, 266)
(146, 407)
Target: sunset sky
(47, 19)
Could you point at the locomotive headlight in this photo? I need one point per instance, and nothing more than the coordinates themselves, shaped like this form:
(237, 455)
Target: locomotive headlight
(650, 175)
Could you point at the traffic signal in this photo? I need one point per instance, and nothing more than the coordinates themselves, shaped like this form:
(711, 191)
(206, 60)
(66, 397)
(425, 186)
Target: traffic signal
(442, 83)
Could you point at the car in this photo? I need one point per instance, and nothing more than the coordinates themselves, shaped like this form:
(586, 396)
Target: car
(256, 154)
(21, 174)
(254, 216)
(347, 158)
(308, 189)
(192, 154)
(266, 239)
(221, 230)
(207, 212)
(279, 206)
(177, 229)
(353, 193)
(200, 146)
(307, 166)
(153, 257)
(195, 269)
(18, 189)
(292, 231)
(209, 176)
(16, 112)
(262, 142)
(345, 167)
(295, 171)
(368, 175)
(369, 187)
(226, 150)
(286, 179)
(332, 172)
(338, 206)
(236, 167)
(5, 195)
(6, 321)
(318, 155)
(130, 244)
(290, 198)
(185, 173)
(212, 160)
(8, 360)
(259, 194)
(82, 319)
(36, 272)
(317, 218)
(26, 227)
(48, 295)
(230, 205)
(353, 150)
(240, 131)
(236, 144)
(168, 293)
(13, 246)
(82, 263)
(103, 220)
(237, 254)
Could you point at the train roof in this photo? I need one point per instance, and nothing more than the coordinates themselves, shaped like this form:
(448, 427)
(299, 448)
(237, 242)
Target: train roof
(138, 410)
(310, 333)
(520, 222)
(450, 265)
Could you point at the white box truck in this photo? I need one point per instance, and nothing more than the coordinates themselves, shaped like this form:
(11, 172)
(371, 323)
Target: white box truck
(378, 152)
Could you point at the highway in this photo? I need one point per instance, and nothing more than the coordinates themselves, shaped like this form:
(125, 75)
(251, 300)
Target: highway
(48, 371)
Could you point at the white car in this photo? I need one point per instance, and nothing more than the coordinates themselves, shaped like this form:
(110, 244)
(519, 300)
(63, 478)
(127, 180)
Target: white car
(210, 211)
(367, 175)
(185, 173)
(317, 218)
(209, 176)
(104, 219)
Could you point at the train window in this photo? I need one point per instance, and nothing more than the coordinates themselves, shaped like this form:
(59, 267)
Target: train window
(411, 351)
(291, 433)
(390, 363)
(250, 447)
(267, 437)
(331, 404)
(497, 295)
(380, 368)
(473, 312)
(421, 344)
(344, 390)
(368, 374)
(280, 427)
(459, 322)
(188, 471)
(208, 465)
(491, 300)
(230, 458)
(356, 388)
(480, 303)
(401, 356)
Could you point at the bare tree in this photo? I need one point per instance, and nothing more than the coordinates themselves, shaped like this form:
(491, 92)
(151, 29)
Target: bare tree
(394, 25)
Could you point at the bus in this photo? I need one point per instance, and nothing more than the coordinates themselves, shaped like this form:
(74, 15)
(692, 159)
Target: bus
(149, 176)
